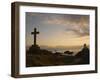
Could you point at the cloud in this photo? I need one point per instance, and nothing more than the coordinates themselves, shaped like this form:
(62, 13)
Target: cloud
(78, 24)
(79, 29)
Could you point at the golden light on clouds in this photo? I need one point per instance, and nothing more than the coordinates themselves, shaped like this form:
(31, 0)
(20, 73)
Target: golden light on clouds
(65, 42)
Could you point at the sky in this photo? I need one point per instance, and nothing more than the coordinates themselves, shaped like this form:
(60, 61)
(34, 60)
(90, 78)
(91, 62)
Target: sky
(57, 30)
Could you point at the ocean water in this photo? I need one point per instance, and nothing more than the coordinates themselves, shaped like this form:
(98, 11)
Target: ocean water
(75, 50)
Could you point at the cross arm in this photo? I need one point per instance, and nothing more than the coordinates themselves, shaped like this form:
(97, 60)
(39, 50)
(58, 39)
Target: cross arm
(34, 32)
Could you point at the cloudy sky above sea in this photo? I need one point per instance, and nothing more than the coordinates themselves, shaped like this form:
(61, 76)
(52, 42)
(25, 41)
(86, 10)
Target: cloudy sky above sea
(57, 29)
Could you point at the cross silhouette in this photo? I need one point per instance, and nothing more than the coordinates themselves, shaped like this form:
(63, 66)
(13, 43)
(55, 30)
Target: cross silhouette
(35, 34)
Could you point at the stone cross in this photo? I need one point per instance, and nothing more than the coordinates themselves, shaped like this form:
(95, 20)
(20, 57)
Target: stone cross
(35, 35)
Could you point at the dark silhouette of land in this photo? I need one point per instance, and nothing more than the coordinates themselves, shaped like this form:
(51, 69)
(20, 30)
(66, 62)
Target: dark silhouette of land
(41, 57)
(36, 56)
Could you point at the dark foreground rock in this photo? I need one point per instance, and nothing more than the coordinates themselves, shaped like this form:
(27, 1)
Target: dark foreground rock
(41, 57)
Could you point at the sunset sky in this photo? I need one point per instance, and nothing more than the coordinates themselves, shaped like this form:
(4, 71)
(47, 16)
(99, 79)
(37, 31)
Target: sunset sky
(57, 29)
